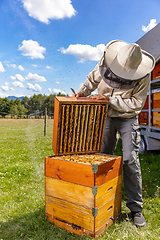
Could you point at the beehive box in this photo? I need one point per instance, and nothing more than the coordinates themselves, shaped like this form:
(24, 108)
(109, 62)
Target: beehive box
(78, 125)
(156, 71)
(82, 186)
(155, 115)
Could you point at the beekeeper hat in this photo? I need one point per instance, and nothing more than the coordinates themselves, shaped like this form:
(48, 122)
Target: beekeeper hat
(128, 61)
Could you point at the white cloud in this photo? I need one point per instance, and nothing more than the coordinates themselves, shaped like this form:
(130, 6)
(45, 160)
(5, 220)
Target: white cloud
(3, 94)
(18, 84)
(5, 87)
(15, 66)
(12, 89)
(43, 10)
(85, 52)
(20, 68)
(35, 77)
(18, 77)
(1, 67)
(35, 87)
(56, 91)
(57, 82)
(34, 65)
(50, 90)
(32, 49)
(151, 25)
(48, 67)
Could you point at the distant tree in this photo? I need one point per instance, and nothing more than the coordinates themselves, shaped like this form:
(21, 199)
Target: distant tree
(13, 111)
(22, 111)
(62, 94)
(49, 104)
(26, 103)
(4, 106)
(19, 110)
(17, 101)
(37, 103)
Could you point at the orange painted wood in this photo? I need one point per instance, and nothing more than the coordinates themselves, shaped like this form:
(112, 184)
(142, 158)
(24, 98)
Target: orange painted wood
(156, 100)
(76, 229)
(108, 171)
(156, 119)
(101, 230)
(70, 192)
(82, 173)
(67, 100)
(108, 191)
(102, 221)
(68, 124)
(69, 226)
(143, 118)
(65, 225)
(70, 196)
(146, 103)
(110, 210)
(55, 125)
(70, 212)
(108, 186)
(156, 71)
(69, 171)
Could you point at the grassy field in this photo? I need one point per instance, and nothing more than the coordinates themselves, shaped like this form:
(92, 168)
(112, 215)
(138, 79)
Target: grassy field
(23, 148)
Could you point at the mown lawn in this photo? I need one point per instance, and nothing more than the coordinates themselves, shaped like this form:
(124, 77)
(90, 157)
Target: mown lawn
(23, 148)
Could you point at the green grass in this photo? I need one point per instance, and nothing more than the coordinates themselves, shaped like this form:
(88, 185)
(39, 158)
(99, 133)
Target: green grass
(22, 198)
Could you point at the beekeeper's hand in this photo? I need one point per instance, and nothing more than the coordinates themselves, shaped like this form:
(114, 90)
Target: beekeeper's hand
(100, 97)
(78, 94)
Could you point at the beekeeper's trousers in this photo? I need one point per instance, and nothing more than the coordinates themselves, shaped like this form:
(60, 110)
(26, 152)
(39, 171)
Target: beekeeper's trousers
(129, 131)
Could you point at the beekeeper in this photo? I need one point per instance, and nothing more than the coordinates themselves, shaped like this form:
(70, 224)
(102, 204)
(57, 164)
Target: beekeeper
(122, 77)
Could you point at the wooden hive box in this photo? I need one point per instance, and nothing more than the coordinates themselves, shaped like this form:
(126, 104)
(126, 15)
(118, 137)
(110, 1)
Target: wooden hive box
(82, 186)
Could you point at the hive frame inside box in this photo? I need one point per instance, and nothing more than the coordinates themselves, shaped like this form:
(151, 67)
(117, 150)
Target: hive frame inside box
(78, 125)
(81, 197)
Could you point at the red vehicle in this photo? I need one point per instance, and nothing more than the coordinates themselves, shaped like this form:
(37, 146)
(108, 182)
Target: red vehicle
(149, 118)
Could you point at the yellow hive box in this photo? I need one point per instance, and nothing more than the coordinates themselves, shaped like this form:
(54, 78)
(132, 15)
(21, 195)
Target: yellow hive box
(82, 187)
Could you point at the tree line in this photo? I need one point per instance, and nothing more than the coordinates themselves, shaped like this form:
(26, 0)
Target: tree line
(35, 104)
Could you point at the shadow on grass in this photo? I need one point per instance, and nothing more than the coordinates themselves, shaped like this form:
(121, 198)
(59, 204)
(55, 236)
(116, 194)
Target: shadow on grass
(34, 226)
(150, 171)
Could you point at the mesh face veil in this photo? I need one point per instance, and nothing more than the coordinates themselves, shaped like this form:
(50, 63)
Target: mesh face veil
(116, 82)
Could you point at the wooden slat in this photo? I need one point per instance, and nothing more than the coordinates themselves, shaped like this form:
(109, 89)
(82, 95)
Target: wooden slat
(82, 127)
(74, 127)
(85, 128)
(71, 192)
(70, 129)
(78, 128)
(108, 171)
(96, 136)
(69, 171)
(70, 212)
(156, 71)
(143, 118)
(156, 100)
(156, 119)
(108, 191)
(73, 131)
(93, 131)
(70, 227)
(102, 229)
(76, 229)
(55, 127)
(110, 210)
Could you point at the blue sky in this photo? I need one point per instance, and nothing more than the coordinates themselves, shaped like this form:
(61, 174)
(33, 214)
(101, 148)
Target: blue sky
(49, 46)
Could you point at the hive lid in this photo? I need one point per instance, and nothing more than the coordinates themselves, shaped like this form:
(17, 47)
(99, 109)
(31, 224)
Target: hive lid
(78, 125)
